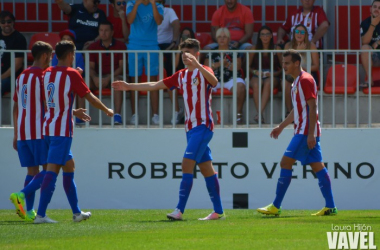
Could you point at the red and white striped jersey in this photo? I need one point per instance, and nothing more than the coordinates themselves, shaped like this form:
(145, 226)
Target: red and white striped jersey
(196, 95)
(28, 96)
(60, 86)
(303, 89)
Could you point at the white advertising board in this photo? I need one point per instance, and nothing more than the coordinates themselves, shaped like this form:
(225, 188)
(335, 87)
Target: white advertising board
(140, 169)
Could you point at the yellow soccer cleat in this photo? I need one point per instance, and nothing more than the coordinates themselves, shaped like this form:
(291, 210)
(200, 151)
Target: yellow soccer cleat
(326, 211)
(270, 210)
(18, 199)
(30, 215)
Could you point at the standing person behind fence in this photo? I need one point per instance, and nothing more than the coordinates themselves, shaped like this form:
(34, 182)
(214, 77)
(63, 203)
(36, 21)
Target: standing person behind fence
(196, 81)
(300, 41)
(119, 20)
(107, 42)
(239, 21)
(312, 17)
(84, 19)
(223, 38)
(264, 42)
(305, 144)
(370, 33)
(10, 39)
(186, 33)
(144, 17)
(61, 84)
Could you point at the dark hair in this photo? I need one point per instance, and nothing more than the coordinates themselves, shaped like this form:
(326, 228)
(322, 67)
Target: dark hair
(192, 34)
(63, 48)
(106, 23)
(39, 48)
(190, 43)
(259, 43)
(375, 1)
(296, 56)
(5, 14)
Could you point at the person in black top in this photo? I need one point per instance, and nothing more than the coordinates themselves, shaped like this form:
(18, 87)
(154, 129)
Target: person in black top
(10, 39)
(370, 33)
(84, 20)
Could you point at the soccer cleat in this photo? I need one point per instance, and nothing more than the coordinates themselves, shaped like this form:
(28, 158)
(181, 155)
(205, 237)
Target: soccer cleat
(18, 199)
(326, 211)
(175, 215)
(30, 215)
(81, 216)
(43, 220)
(214, 216)
(270, 210)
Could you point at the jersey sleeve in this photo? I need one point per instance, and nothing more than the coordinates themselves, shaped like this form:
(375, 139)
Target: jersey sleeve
(308, 88)
(20, 44)
(215, 18)
(287, 25)
(322, 17)
(209, 70)
(130, 6)
(172, 15)
(78, 84)
(74, 9)
(171, 82)
(248, 16)
(363, 28)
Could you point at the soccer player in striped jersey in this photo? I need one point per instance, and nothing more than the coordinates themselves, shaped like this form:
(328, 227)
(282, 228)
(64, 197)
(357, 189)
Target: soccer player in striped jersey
(28, 115)
(196, 81)
(305, 146)
(61, 83)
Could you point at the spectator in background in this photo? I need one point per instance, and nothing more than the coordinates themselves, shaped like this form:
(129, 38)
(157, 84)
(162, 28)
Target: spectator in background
(370, 33)
(144, 17)
(168, 36)
(186, 33)
(264, 42)
(312, 17)
(223, 37)
(119, 20)
(107, 42)
(10, 39)
(301, 42)
(84, 19)
(239, 21)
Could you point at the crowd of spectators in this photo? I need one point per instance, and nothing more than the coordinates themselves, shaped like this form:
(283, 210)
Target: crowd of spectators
(148, 25)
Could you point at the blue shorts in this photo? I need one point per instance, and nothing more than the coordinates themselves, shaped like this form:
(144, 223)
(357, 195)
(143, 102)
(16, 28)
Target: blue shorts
(32, 152)
(197, 144)
(142, 60)
(299, 150)
(59, 149)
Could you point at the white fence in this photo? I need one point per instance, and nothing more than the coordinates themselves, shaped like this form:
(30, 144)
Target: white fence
(346, 109)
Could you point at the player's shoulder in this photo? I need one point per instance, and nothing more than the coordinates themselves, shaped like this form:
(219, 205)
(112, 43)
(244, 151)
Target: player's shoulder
(317, 9)
(366, 22)
(207, 68)
(119, 44)
(306, 77)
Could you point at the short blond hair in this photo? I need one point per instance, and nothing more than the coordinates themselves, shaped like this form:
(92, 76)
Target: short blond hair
(223, 30)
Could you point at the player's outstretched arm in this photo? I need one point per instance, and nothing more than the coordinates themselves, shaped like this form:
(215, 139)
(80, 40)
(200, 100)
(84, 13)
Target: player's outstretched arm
(146, 86)
(15, 114)
(277, 130)
(94, 101)
(81, 114)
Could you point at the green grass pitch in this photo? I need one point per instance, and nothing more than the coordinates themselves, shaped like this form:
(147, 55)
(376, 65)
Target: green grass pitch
(149, 229)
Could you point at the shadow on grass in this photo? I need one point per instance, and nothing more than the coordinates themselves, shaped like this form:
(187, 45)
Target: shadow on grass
(13, 223)
(162, 221)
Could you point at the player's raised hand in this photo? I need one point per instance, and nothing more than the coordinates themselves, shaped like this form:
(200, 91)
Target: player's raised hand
(81, 114)
(190, 59)
(109, 112)
(120, 85)
(275, 132)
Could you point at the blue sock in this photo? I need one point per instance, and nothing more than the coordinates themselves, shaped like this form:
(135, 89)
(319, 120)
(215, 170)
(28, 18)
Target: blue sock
(282, 185)
(71, 191)
(32, 183)
(47, 190)
(212, 184)
(184, 191)
(325, 186)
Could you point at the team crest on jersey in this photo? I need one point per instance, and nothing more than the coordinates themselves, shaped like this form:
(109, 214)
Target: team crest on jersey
(195, 81)
(24, 95)
(96, 15)
(50, 89)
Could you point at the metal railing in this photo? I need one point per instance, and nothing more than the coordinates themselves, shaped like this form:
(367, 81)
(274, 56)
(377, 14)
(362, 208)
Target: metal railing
(343, 110)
